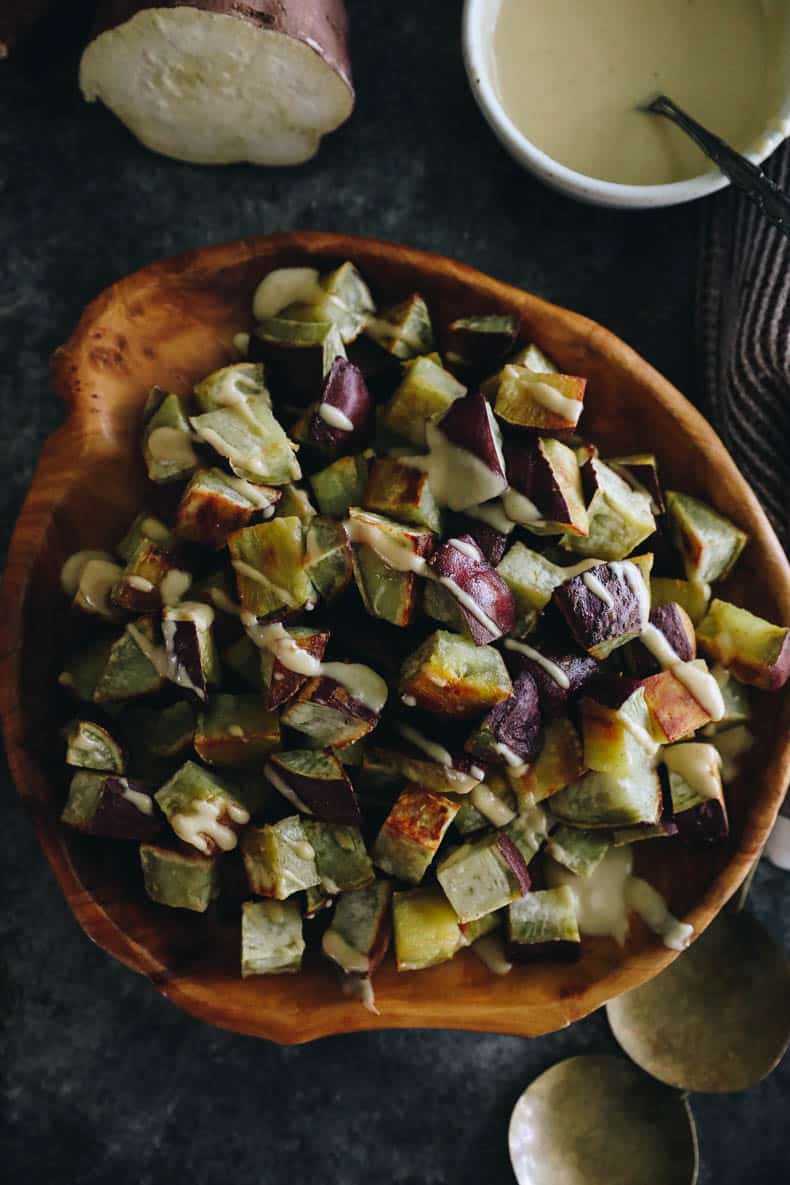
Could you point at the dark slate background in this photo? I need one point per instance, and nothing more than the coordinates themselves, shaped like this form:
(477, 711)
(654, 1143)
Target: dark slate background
(104, 1081)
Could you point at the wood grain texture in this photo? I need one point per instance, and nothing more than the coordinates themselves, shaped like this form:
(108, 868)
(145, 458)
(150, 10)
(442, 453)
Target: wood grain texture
(172, 323)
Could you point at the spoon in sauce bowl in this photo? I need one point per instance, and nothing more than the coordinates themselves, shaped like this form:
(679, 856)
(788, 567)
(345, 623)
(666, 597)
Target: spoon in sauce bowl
(772, 201)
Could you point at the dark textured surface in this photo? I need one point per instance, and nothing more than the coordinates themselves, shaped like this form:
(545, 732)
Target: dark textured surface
(104, 1081)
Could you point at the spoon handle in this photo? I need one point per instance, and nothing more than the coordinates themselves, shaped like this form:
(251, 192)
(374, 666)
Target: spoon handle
(772, 201)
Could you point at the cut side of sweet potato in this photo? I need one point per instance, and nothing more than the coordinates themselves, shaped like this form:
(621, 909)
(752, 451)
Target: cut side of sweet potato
(214, 81)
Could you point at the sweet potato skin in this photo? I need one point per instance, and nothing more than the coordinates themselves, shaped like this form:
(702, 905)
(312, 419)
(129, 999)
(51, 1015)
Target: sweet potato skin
(322, 24)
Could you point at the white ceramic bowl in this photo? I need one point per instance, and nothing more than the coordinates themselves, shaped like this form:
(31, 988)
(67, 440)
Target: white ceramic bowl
(479, 20)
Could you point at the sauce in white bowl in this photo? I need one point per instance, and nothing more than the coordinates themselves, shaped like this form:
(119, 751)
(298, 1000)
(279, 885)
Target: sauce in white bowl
(560, 80)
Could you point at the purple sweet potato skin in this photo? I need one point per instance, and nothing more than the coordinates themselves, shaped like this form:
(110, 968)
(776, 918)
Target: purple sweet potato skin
(491, 542)
(673, 622)
(330, 799)
(118, 818)
(588, 619)
(479, 580)
(286, 683)
(530, 473)
(579, 668)
(515, 861)
(703, 825)
(187, 654)
(344, 388)
(516, 722)
(466, 426)
(322, 24)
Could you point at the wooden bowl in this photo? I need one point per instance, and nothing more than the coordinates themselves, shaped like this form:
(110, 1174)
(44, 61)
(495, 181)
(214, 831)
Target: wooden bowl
(171, 324)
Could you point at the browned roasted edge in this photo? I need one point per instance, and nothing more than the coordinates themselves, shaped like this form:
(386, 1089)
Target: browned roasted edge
(36, 519)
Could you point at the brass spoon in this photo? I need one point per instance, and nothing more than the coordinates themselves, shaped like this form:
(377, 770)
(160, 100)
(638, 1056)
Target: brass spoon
(594, 1120)
(772, 201)
(718, 1018)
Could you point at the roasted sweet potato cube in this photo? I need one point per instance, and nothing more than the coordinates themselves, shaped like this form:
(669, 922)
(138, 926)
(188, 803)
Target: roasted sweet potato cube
(709, 543)
(236, 730)
(167, 441)
(477, 344)
(486, 874)
(542, 925)
(279, 859)
(271, 938)
(545, 494)
(674, 710)
(203, 809)
(298, 353)
(192, 659)
(605, 607)
(426, 391)
(403, 330)
(342, 484)
(608, 800)
(388, 592)
(620, 518)
(401, 492)
(133, 665)
(214, 504)
(755, 650)
(412, 833)
(181, 879)
(511, 733)
(618, 740)
(268, 559)
(145, 527)
(543, 401)
(327, 557)
(316, 783)
(340, 856)
(90, 745)
(426, 929)
(559, 762)
(110, 806)
(359, 935)
(327, 712)
(139, 586)
(280, 683)
(452, 676)
(690, 595)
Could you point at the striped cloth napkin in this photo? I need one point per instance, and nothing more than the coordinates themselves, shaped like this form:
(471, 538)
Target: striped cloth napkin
(745, 338)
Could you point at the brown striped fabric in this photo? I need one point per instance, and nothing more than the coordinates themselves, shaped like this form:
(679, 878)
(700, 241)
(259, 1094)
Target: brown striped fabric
(745, 338)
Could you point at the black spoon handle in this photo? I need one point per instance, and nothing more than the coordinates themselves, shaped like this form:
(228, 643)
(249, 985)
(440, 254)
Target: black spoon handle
(772, 201)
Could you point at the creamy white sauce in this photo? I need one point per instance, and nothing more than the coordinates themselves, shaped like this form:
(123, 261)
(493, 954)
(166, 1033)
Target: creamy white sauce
(521, 509)
(235, 730)
(140, 583)
(379, 328)
(392, 551)
(511, 759)
(221, 600)
(640, 734)
(156, 655)
(603, 898)
(173, 586)
(467, 602)
(490, 950)
(284, 286)
(201, 827)
(361, 988)
(493, 514)
(97, 580)
(553, 401)
(694, 676)
(241, 343)
(171, 445)
(652, 909)
(238, 458)
(492, 808)
(435, 751)
(362, 683)
(401, 558)
(335, 418)
(157, 532)
(341, 952)
(720, 59)
(599, 590)
(75, 565)
(259, 496)
(283, 788)
(698, 764)
(201, 616)
(551, 668)
(409, 701)
(629, 572)
(471, 550)
(458, 478)
(143, 802)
